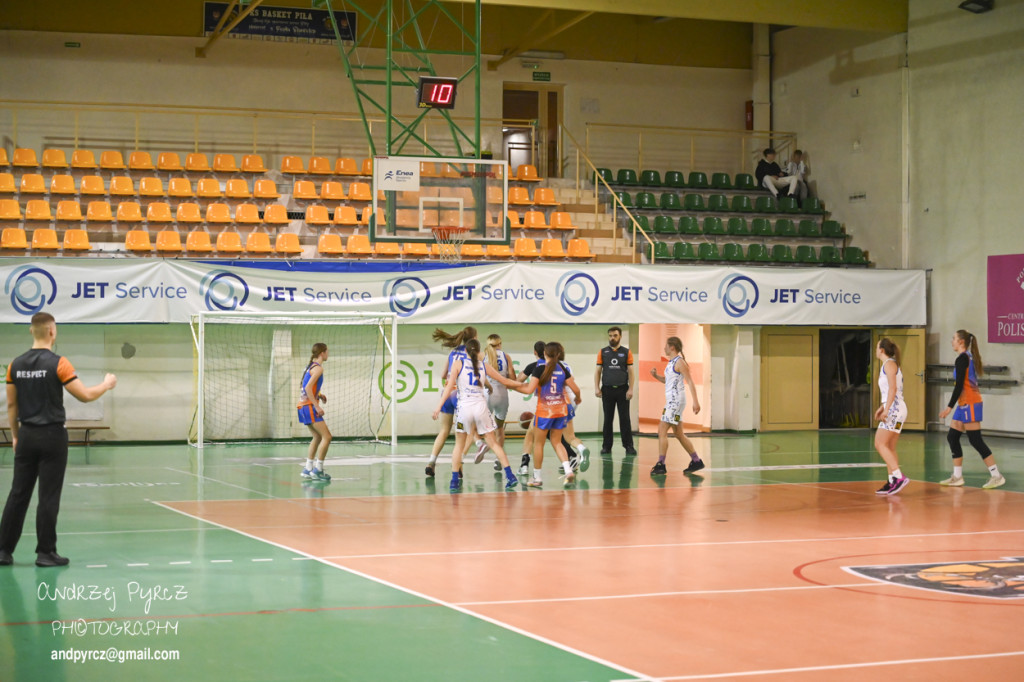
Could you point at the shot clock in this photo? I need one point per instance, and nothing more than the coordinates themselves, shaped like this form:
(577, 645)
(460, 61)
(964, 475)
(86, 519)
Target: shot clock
(436, 92)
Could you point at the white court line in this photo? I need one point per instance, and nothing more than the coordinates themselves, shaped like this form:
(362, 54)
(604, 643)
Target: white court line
(96, 566)
(135, 565)
(179, 563)
(591, 548)
(511, 628)
(846, 666)
(682, 593)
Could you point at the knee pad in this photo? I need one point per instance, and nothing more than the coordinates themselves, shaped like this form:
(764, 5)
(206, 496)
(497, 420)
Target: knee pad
(953, 437)
(978, 444)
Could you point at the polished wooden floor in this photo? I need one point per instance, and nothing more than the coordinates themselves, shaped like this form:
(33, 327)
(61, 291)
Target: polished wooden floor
(747, 570)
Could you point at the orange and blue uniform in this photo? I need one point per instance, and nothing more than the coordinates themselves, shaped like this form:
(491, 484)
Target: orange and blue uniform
(307, 400)
(966, 396)
(552, 410)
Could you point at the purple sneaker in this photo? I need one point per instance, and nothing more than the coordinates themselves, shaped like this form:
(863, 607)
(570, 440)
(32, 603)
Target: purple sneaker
(898, 485)
(885, 489)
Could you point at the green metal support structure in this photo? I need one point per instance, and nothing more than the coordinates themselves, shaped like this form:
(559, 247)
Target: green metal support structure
(377, 86)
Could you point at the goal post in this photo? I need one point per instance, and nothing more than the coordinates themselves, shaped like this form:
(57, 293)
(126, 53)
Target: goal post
(249, 365)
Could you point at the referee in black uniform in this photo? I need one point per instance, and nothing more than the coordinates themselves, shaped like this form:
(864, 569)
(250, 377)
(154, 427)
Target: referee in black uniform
(613, 381)
(35, 397)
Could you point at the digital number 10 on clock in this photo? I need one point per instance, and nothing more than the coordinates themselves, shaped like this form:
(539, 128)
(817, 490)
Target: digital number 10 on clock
(436, 92)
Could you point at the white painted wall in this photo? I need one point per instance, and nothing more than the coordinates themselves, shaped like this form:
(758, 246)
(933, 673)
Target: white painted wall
(966, 94)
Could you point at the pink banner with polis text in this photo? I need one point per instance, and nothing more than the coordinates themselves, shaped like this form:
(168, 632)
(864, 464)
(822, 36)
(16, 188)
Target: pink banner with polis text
(1006, 299)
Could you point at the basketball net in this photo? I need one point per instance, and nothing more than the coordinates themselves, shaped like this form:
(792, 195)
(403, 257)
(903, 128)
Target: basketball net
(449, 242)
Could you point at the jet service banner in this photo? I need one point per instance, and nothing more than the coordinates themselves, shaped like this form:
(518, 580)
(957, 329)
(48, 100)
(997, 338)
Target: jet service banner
(171, 291)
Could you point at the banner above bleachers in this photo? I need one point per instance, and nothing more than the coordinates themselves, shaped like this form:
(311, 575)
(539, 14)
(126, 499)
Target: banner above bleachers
(162, 291)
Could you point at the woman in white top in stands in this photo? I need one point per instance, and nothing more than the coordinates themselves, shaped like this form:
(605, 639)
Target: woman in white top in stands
(892, 413)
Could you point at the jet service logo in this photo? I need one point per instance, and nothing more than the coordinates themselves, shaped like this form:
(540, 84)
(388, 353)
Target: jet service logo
(577, 292)
(30, 288)
(223, 290)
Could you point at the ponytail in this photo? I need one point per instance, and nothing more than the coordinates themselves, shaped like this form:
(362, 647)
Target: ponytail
(971, 343)
(890, 349)
(454, 340)
(551, 352)
(473, 352)
(492, 355)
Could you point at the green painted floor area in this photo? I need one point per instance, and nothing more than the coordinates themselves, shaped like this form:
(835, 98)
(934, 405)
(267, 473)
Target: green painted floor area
(236, 608)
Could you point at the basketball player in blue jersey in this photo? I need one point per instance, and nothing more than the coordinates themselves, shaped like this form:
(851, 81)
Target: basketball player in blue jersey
(312, 414)
(676, 379)
(549, 381)
(469, 378)
(892, 413)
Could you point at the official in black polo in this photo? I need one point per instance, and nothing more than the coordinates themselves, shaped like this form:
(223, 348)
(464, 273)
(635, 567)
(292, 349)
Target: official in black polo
(35, 409)
(613, 380)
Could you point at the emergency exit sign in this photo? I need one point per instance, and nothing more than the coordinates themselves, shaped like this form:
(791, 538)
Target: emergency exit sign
(542, 76)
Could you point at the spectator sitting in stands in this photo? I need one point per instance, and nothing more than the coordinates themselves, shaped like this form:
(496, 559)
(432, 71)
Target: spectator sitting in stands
(796, 167)
(769, 175)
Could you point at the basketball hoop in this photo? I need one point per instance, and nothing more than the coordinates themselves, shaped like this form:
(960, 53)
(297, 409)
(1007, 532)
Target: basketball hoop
(449, 242)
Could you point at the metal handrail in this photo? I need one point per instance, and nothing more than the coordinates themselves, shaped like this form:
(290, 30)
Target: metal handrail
(616, 202)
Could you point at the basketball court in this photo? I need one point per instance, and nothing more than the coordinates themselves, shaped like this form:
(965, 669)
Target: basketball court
(777, 562)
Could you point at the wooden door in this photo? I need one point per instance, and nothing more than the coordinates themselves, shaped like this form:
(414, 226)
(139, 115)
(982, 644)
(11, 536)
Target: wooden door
(912, 360)
(789, 378)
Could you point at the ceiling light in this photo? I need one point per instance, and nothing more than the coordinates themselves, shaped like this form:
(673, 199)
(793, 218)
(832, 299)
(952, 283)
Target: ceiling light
(542, 54)
(977, 6)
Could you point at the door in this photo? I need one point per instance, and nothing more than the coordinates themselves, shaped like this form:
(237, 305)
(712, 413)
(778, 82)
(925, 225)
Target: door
(911, 344)
(789, 378)
(532, 115)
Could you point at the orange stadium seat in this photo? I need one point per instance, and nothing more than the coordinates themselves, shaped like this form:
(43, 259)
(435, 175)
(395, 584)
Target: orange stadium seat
(276, 214)
(346, 166)
(287, 244)
(54, 158)
(527, 173)
(552, 249)
(519, 196)
(45, 239)
(560, 220)
(180, 187)
(498, 251)
(196, 162)
(69, 211)
(38, 209)
(237, 188)
(151, 187)
(359, 191)
(265, 188)
(218, 213)
(208, 188)
(292, 165)
(534, 220)
(253, 163)
(140, 161)
(76, 239)
(304, 190)
(366, 168)
(98, 212)
(247, 214)
(168, 242)
(320, 165)
(13, 238)
(198, 241)
(544, 196)
(32, 183)
(4, 161)
(83, 158)
(224, 163)
(525, 248)
(188, 212)
(159, 212)
(317, 216)
(229, 241)
(129, 212)
(258, 243)
(415, 250)
(111, 160)
(122, 186)
(137, 241)
(358, 245)
(332, 191)
(7, 185)
(330, 245)
(25, 158)
(345, 215)
(10, 210)
(579, 249)
(169, 161)
(91, 184)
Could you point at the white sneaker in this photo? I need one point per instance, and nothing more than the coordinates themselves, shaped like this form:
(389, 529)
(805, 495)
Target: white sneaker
(481, 450)
(953, 481)
(994, 482)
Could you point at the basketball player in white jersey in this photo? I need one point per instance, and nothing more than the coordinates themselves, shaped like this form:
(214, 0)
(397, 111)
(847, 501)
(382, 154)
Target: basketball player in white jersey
(892, 413)
(676, 379)
(472, 414)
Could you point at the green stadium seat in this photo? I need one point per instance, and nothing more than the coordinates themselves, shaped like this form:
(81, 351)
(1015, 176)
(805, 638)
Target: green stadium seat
(742, 203)
(698, 180)
(789, 205)
(670, 202)
(813, 205)
(646, 200)
(683, 251)
(809, 228)
(784, 227)
(781, 253)
(661, 251)
(650, 178)
(689, 225)
(626, 200)
(674, 179)
(831, 228)
(713, 226)
(853, 255)
(761, 227)
(708, 251)
(738, 226)
(805, 254)
(745, 181)
(626, 176)
(720, 181)
(733, 252)
(766, 205)
(664, 224)
(641, 220)
(605, 173)
(830, 255)
(758, 253)
(718, 202)
(693, 202)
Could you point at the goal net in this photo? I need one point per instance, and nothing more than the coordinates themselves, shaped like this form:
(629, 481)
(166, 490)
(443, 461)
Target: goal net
(249, 366)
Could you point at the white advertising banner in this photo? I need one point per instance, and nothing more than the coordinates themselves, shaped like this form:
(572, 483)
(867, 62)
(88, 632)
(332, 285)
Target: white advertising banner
(395, 174)
(121, 290)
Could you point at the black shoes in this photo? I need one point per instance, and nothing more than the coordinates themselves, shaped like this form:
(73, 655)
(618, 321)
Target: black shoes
(606, 451)
(694, 466)
(631, 451)
(46, 559)
(659, 469)
(5, 558)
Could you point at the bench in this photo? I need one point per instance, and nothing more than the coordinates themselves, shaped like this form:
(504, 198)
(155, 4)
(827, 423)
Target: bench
(87, 427)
